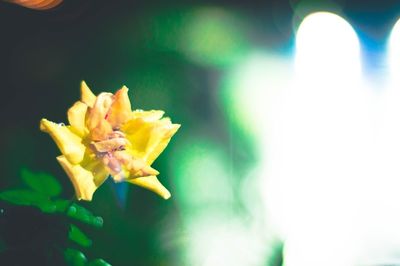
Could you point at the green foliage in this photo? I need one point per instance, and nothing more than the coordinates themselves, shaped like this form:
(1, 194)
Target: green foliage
(26, 197)
(42, 187)
(98, 262)
(77, 258)
(82, 214)
(42, 193)
(76, 235)
(74, 257)
(41, 182)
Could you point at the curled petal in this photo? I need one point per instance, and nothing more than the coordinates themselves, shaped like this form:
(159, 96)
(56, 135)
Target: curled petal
(149, 138)
(139, 168)
(120, 110)
(159, 139)
(83, 180)
(151, 183)
(96, 122)
(136, 167)
(76, 117)
(87, 95)
(97, 168)
(69, 143)
(109, 144)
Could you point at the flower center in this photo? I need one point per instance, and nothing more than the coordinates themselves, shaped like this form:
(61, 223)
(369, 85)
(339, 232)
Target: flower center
(106, 149)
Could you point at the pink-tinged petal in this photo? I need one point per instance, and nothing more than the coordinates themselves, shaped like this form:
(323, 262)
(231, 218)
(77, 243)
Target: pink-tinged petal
(69, 144)
(96, 122)
(76, 117)
(83, 180)
(151, 183)
(108, 144)
(87, 95)
(120, 110)
(135, 167)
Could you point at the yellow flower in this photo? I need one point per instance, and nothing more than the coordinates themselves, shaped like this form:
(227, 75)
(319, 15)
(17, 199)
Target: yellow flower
(105, 137)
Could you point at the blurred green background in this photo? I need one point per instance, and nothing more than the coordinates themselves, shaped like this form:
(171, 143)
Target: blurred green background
(181, 57)
(172, 58)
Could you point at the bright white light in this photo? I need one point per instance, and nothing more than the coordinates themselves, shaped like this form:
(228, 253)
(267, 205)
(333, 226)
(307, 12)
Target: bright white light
(331, 154)
(381, 237)
(327, 46)
(319, 155)
(218, 241)
(333, 163)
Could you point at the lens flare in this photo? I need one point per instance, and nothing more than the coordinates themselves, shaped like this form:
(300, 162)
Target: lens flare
(37, 4)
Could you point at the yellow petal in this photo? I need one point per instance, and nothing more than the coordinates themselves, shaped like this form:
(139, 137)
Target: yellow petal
(151, 183)
(120, 110)
(83, 180)
(96, 167)
(149, 138)
(138, 168)
(149, 116)
(135, 167)
(69, 143)
(96, 122)
(87, 95)
(159, 140)
(76, 118)
(140, 120)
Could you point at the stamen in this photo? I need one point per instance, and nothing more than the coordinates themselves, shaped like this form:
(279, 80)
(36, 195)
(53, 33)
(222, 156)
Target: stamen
(108, 151)
(109, 145)
(112, 163)
(116, 134)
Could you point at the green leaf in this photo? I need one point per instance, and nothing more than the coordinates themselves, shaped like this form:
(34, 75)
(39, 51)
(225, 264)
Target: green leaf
(98, 262)
(28, 198)
(82, 214)
(61, 205)
(76, 235)
(74, 257)
(41, 182)
(20, 196)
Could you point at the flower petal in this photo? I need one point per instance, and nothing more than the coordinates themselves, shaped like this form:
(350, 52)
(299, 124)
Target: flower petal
(96, 167)
(96, 122)
(69, 143)
(149, 116)
(83, 180)
(139, 168)
(151, 183)
(135, 167)
(108, 145)
(76, 117)
(120, 110)
(160, 139)
(87, 95)
(149, 138)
